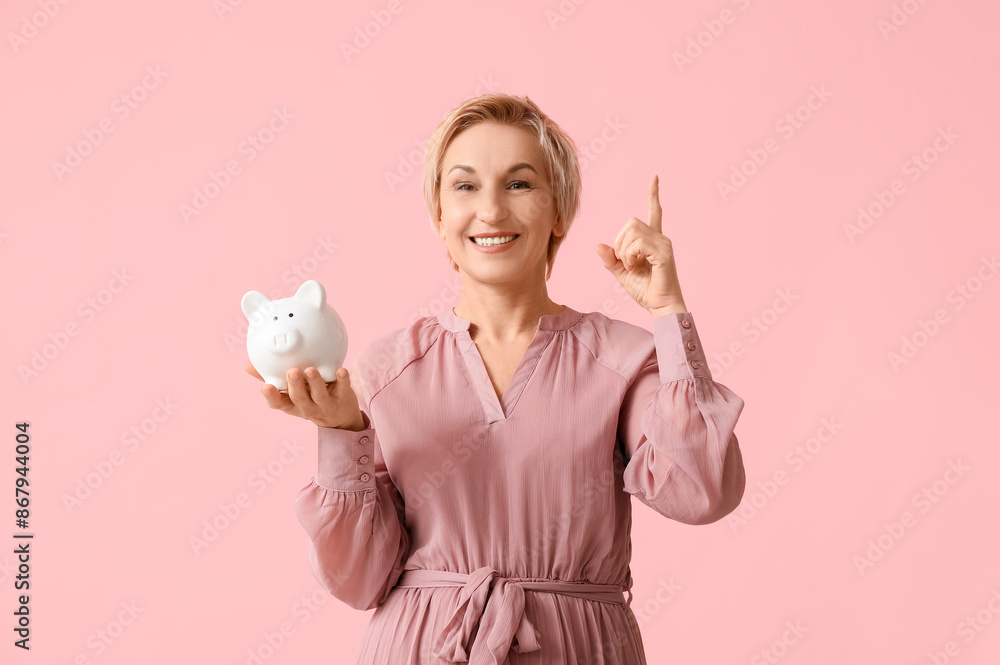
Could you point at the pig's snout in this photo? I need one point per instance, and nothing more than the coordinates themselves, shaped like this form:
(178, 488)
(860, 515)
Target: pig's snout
(283, 342)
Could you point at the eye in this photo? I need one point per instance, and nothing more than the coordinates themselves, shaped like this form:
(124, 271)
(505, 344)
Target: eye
(461, 186)
(275, 318)
(290, 314)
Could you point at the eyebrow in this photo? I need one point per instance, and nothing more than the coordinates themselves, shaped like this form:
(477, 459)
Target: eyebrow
(516, 167)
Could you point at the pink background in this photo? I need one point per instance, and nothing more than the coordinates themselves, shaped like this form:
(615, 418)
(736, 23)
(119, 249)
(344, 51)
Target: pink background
(838, 541)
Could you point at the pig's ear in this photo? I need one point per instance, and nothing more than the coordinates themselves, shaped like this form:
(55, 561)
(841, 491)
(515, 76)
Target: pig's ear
(252, 301)
(313, 293)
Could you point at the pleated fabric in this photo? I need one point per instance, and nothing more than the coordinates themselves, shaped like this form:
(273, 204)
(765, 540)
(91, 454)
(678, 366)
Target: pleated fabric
(514, 512)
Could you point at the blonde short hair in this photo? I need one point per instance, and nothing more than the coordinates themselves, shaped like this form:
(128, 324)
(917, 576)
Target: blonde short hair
(558, 148)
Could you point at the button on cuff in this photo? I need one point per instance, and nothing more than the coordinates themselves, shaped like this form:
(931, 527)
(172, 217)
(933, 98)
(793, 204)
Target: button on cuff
(679, 353)
(345, 459)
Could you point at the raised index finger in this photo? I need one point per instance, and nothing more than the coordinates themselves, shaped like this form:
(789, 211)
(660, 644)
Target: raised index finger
(655, 211)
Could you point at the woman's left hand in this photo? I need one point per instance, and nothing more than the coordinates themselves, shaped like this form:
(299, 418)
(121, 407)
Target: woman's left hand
(642, 260)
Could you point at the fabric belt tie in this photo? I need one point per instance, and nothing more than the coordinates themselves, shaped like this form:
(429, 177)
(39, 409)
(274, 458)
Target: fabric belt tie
(497, 605)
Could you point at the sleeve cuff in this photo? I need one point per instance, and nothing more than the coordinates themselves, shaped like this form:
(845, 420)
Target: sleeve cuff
(679, 354)
(346, 459)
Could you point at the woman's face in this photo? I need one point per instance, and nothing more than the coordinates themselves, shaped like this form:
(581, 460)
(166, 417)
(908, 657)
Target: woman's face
(494, 181)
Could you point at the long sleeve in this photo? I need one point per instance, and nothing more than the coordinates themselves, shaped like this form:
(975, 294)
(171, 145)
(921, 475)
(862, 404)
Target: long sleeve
(676, 427)
(353, 514)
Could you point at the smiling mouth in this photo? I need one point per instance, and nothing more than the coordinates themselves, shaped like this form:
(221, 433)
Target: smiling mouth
(493, 241)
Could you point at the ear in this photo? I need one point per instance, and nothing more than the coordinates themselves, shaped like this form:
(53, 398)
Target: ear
(437, 224)
(252, 301)
(558, 229)
(313, 293)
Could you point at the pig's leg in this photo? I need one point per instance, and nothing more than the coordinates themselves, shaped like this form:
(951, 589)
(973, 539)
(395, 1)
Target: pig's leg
(278, 382)
(328, 372)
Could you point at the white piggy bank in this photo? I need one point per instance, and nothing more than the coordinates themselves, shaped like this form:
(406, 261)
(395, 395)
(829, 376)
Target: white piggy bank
(301, 331)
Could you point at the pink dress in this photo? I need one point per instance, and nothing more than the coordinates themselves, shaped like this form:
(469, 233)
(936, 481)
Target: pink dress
(493, 531)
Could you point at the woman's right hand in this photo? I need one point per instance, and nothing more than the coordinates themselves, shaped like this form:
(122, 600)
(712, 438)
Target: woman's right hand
(333, 404)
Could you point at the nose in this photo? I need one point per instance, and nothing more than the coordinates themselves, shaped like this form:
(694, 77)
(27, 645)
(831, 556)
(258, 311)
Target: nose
(491, 207)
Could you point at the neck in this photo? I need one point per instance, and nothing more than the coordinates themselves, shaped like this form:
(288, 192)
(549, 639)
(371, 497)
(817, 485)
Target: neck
(504, 316)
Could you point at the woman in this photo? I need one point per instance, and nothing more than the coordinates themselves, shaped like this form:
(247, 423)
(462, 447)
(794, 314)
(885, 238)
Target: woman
(475, 467)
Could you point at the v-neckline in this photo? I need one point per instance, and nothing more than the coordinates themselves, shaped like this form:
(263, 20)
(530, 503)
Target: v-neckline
(494, 407)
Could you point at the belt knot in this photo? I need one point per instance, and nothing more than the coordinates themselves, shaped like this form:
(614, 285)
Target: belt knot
(497, 605)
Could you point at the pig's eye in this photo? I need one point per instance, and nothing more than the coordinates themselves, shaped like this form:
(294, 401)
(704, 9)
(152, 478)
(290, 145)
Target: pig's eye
(290, 314)
(275, 318)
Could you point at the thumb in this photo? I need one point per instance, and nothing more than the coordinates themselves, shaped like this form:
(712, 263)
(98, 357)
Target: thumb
(608, 258)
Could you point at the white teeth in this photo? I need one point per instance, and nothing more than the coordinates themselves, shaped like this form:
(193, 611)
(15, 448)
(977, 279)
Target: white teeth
(488, 242)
